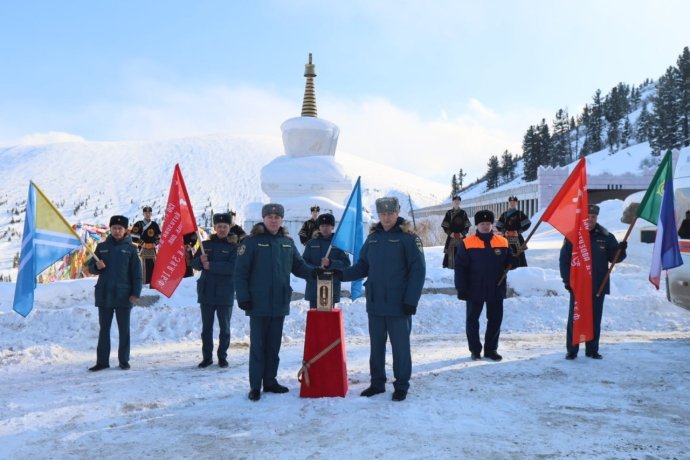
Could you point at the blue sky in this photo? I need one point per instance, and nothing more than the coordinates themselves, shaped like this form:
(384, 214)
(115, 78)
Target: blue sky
(429, 87)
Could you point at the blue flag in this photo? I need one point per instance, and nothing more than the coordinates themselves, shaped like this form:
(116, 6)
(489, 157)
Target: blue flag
(666, 252)
(350, 233)
(47, 238)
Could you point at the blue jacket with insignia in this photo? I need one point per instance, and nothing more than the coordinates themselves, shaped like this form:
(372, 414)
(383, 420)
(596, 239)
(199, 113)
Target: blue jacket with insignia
(262, 271)
(393, 262)
(216, 285)
(121, 277)
(314, 250)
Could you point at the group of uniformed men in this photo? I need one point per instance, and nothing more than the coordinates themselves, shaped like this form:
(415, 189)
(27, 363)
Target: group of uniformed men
(257, 267)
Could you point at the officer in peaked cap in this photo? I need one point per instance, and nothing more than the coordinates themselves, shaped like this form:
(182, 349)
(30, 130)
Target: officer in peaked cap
(310, 226)
(146, 234)
(511, 224)
(455, 225)
(604, 248)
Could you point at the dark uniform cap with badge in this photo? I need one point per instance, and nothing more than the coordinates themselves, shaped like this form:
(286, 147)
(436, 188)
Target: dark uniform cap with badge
(147, 209)
(222, 218)
(119, 220)
(512, 198)
(326, 219)
(273, 208)
(387, 204)
(457, 197)
(483, 216)
(594, 209)
(315, 208)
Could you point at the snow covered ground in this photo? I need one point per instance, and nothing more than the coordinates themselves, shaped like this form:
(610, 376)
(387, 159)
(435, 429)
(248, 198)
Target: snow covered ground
(534, 404)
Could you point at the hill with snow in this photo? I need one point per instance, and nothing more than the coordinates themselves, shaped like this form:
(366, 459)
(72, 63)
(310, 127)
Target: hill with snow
(90, 181)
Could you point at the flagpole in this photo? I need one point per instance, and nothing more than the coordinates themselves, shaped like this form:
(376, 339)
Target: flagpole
(520, 251)
(615, 258)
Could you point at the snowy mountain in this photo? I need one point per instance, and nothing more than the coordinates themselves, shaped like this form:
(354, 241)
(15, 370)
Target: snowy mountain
(90, 181)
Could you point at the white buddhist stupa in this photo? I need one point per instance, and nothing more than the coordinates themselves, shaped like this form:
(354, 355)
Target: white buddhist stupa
(308, 174)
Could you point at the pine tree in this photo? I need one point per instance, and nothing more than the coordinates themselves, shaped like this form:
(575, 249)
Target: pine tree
(683, 64)
(667, 113)
(508, 165)
(493, 173)
(461, 177)
(645, 125)
(594, 126)
(627, 133)
(454, 188)
(529, 156)
(562, 152)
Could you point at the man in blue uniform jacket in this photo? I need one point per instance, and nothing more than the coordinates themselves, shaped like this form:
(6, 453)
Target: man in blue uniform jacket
(315, 254)
(392, 259)
(262, 282)
(604, 248)
(118, 288)
(480, 263)
(215, 287)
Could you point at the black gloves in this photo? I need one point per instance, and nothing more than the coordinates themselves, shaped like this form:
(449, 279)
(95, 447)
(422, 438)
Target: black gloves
(246, 306)
(462, 295)
(623, 245)
(567, 286)
(410, 309)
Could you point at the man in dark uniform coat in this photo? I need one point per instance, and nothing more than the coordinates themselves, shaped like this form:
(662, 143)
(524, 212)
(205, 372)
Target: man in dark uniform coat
(315, 254)
(265, 260)
(512, 224)
(684, 230)
(455, 224)
(604, 248)
(310, 226)
(480, 262)
(147, 234)
(117, 289)
(392, 259)
(215, 287)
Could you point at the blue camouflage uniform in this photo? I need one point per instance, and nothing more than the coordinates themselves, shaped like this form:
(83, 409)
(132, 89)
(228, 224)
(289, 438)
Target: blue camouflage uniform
(314, 250)
(117, 282)
(215, 292)
(604, 247)
(393, 262)
(262, 277)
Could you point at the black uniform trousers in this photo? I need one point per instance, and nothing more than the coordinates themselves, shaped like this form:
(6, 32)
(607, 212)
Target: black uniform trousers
(208, 313)
(265, 335)
(398, 328)
(597, 311)
(105, 320)
(494, 318)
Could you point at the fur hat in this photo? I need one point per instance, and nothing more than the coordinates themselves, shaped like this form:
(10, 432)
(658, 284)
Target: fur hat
(273, 208)
(387, 204)
(594, 209)
(222, 218)
(315, 208)
(326, 219)
(483, 216)
(119, 220)
(147, 209)
(512, 198)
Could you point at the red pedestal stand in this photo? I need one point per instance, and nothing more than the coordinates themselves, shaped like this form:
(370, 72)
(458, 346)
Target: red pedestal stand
(324, 371)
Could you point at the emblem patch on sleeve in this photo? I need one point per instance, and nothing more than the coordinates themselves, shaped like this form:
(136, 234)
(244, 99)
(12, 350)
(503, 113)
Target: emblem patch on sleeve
(418, 242)
(241, 250)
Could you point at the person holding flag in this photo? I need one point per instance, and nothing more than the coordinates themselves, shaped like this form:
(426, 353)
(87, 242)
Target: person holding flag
(215, 288)
(118, 288)
(392, 259)
(318, 251)
(604, 248)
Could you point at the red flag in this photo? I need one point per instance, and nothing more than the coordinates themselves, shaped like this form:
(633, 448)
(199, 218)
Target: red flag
(567, 213)
(179, 220)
